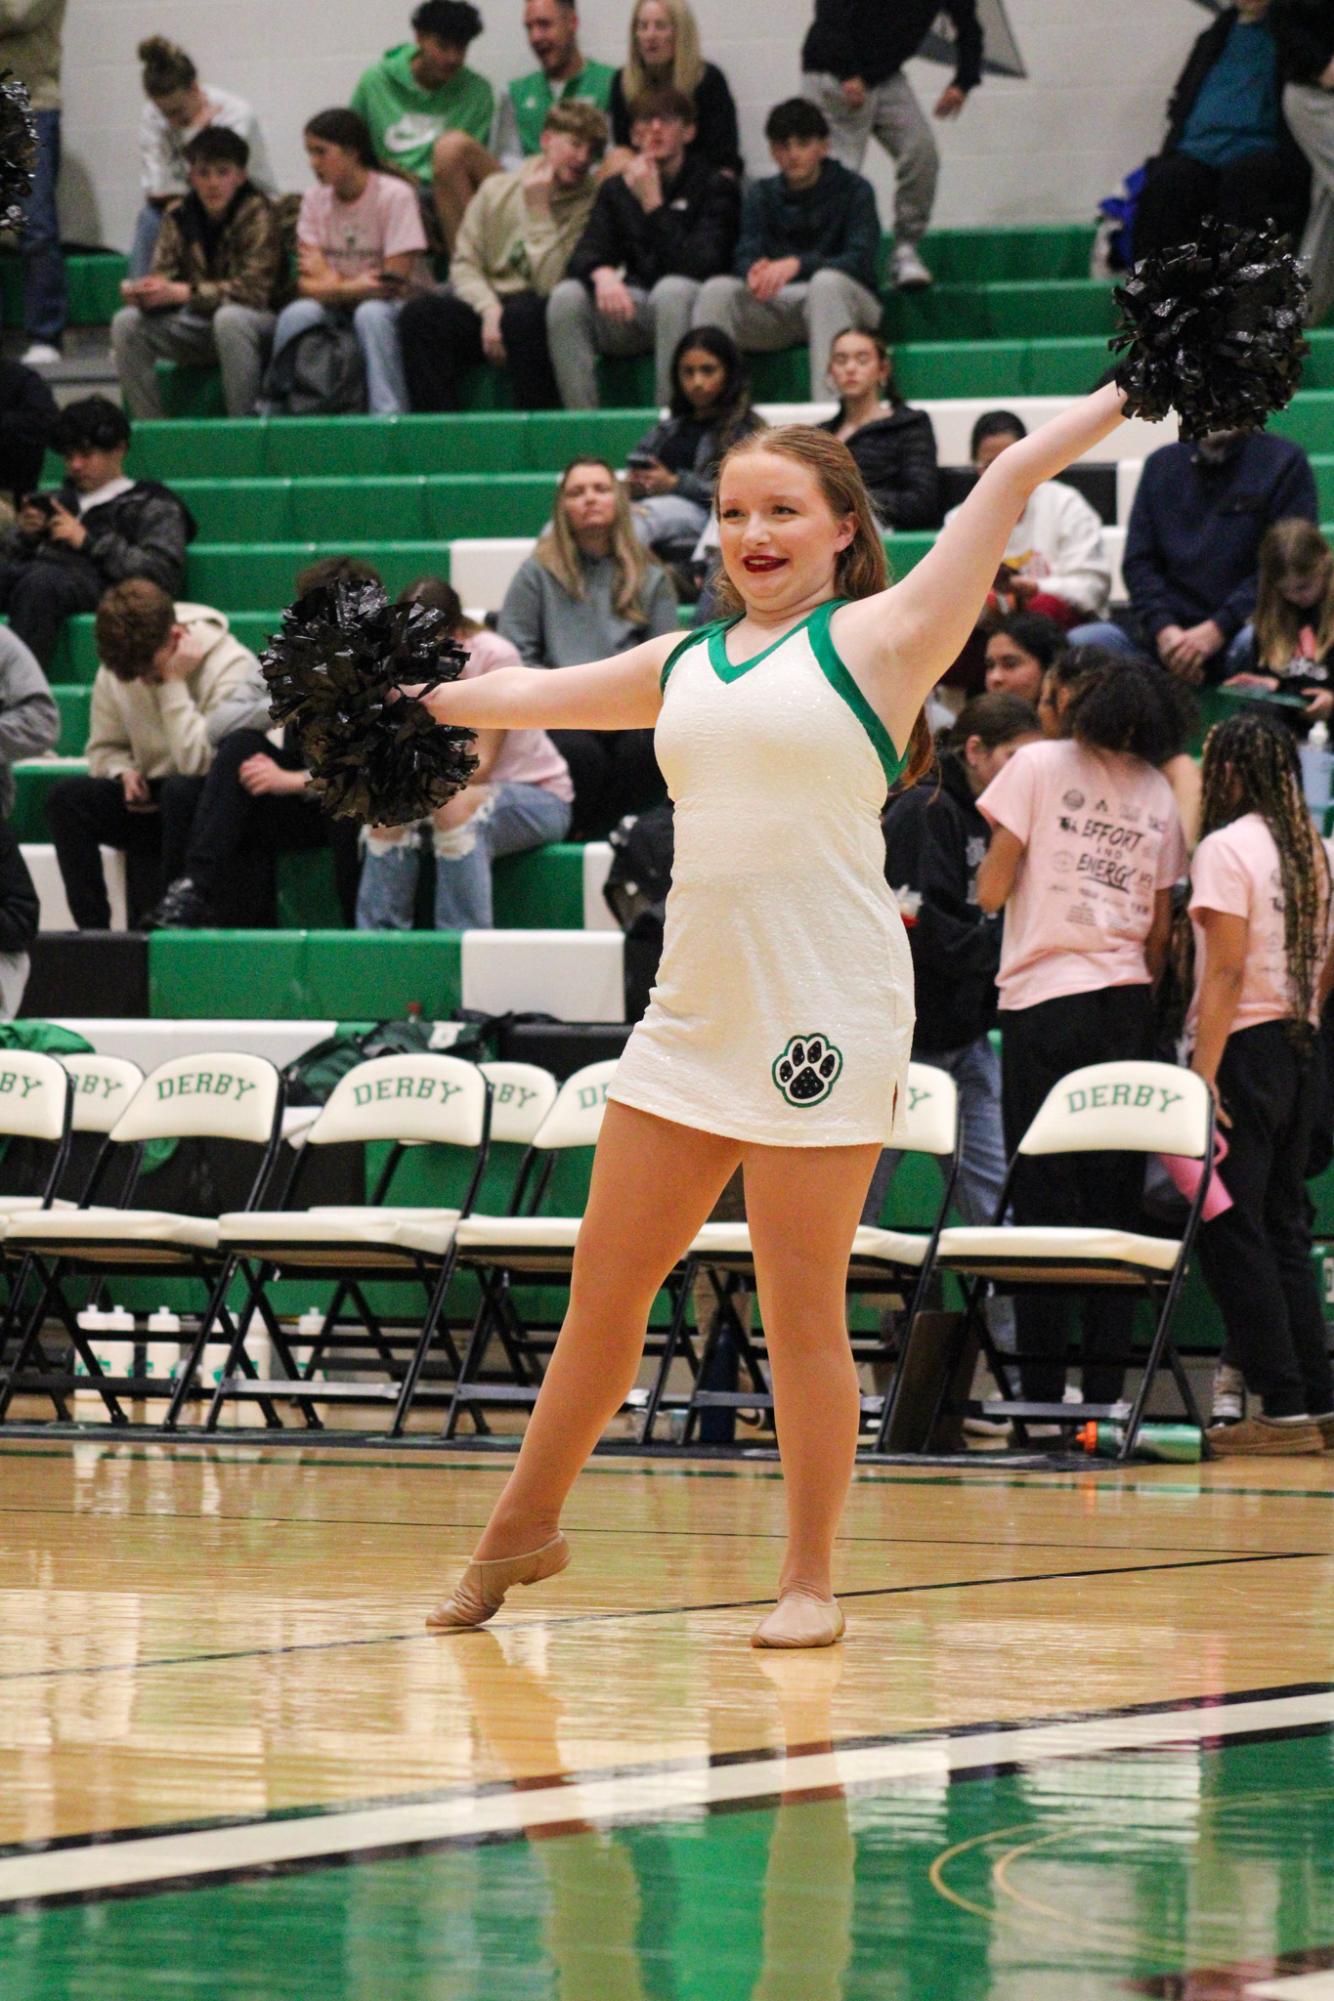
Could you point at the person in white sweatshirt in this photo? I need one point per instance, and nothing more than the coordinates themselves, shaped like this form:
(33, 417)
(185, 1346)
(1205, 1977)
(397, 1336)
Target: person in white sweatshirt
(1056, 561)
(165, 693)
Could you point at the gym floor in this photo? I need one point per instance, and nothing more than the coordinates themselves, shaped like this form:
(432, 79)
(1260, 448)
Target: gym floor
(1079, 1741)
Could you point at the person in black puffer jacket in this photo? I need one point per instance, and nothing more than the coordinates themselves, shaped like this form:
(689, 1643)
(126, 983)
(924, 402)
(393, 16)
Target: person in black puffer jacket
(671, 471)
(894, 446)
(935, 840)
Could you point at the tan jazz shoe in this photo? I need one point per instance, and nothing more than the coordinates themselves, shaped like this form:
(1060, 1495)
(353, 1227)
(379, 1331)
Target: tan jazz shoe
(480, 1592)
(800, 1619)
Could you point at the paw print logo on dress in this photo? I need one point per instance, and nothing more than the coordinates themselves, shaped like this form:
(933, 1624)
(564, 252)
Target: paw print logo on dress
(807, 1070)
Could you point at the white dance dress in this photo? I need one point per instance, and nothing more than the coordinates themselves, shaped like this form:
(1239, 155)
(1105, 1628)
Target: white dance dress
(783, 1008)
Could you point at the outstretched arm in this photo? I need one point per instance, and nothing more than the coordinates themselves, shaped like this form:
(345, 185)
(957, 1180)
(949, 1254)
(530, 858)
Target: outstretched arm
(901, 641)
(622, 693)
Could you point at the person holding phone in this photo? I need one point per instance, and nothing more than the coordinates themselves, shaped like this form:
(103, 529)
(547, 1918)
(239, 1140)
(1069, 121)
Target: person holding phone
(671, 471)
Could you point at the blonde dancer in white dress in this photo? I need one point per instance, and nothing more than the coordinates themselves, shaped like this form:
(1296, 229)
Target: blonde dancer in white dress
(779, 1028)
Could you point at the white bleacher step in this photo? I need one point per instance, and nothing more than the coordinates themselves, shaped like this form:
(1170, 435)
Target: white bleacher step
(53, 904)
(149, 1041)
(597, 865)
(574, 975)
(1128, 473)
(481, 568)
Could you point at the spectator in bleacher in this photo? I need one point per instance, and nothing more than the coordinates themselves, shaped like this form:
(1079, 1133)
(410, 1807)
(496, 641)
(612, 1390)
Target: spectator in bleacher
(1260, 909)
(1288, 645)
(1056, 562)
(1022, 647)
(665, 55)
(1304, 32)
(99, 528)
(360, 246)
(935, 840)
(852, 60)
(805, 265)
(29, 718)
(1228, 152)
(179, 108)
(1193, 547)
(429, 115)
(564, 73)
(657, 231)
(20, 919)
(590, 589)
(512, 249)
(671, 471)
(30, 46)
(167, 685)
(894, 445)
(27, 421)
(218, 269)
(1085, 849)
(519, 798)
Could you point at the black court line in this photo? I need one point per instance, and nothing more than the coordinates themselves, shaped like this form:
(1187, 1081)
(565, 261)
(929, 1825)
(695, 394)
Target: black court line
(115, 1518)
(755, 1803)
(419, 1635)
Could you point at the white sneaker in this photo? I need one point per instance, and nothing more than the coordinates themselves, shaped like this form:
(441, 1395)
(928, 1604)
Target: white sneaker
(40, 354)
(909, 272)
(1228, 1403)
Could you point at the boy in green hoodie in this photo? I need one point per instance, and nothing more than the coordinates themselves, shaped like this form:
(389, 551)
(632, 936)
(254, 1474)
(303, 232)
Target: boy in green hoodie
(430, 116)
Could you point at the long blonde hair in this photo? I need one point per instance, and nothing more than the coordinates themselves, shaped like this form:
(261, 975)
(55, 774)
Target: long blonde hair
(1291, 548)
(687, 62)
(860, 570)
(558, 551)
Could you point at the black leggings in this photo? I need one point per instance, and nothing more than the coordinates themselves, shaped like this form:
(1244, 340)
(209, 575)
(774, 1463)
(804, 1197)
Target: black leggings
(1257, 1256)
(1039, 1046)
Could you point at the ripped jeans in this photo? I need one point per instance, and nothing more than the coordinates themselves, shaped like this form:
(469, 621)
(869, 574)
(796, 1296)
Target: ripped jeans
(512, 819)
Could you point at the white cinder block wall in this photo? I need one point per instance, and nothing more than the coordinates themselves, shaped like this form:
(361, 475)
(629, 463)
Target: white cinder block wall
(1041, 149)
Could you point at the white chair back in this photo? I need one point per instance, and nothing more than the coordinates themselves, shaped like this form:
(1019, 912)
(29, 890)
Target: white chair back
(521, 1096)
(406, 1099)
(1123, 1107)
(35, 1093)
(226, 1095)
(576, 1117)
(103, 1087)
(928, 1114)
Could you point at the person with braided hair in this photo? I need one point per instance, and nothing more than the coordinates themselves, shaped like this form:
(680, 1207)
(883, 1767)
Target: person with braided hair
(1260, 909)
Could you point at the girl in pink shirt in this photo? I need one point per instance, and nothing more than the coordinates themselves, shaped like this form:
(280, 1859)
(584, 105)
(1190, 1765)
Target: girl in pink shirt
(1085, 849)
(1260, 909)
(520, 797)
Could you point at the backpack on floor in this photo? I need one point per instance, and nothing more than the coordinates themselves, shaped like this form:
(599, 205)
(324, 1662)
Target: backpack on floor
(318, 374)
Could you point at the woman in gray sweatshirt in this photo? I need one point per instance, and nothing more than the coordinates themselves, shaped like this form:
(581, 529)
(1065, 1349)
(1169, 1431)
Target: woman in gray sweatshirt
(590, 589)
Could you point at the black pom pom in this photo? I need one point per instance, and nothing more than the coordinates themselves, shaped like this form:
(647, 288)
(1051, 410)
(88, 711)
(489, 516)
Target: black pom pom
(1214, 330)
(333, 672)
(18, 149)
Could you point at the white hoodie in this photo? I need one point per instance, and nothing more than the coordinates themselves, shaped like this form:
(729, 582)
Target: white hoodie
(1058, 540)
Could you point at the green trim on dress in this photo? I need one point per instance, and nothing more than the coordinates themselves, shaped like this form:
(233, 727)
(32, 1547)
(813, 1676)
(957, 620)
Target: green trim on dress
(842, 683)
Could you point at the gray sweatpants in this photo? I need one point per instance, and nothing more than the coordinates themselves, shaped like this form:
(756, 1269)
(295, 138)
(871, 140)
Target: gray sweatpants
(577, 333)
(892, 115)
(815, 312)
(236, 337)
(1310, 115)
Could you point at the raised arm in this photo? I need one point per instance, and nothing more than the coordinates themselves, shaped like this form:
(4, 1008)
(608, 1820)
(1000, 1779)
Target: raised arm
(622, 693)
(901, 641)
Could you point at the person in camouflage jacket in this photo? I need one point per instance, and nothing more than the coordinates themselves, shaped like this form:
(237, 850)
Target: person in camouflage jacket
(215, 285)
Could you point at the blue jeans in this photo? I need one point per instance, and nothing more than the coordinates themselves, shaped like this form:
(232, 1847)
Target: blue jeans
(513, 819)
(976, 1070)
(44, 304)
(1102, 632)
(375, 322)
(147, 229)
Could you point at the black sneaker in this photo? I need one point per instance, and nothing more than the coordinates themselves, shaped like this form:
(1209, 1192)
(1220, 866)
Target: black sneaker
(184, 907)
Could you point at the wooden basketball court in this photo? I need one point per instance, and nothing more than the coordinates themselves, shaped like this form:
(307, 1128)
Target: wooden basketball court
(1078, 1742)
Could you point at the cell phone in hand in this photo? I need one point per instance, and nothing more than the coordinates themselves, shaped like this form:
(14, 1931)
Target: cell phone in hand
(393, 281)
(42, 503)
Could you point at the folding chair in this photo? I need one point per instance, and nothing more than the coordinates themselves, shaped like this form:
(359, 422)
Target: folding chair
(896, 1263)
(1135, 1107)
(227, 1095)
(408, 1101)
(528, 1245)
(36, 1104)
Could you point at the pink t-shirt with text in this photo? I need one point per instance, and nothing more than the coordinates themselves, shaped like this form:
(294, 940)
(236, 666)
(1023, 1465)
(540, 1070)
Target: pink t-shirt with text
(1236, 871)
(526, 757)
(1101, 837)
(357, 236)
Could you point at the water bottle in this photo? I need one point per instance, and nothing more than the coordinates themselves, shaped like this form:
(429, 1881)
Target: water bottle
(162, 1354)
(1179, 1443)
(1317, 768)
